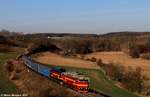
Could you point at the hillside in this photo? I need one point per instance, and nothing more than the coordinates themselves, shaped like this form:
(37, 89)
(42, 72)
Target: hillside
(125, 34)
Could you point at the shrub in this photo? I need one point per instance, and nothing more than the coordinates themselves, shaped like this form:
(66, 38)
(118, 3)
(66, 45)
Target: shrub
(58, 92)
(133, 80)
(18, 70)
(114, 71)
(44, 92)
(146, 56)
(99, 62)
(134, 52)
(9, 67)
(93, 59)
(14, 76)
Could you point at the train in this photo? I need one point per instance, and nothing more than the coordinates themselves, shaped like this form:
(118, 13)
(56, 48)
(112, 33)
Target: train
(74, 80)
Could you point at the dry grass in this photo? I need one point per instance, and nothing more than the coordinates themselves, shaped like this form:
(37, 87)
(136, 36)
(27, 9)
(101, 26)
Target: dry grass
(54, 59)
(122, 59)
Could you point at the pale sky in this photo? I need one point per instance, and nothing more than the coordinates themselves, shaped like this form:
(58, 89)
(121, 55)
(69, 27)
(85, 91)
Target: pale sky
(75, 16)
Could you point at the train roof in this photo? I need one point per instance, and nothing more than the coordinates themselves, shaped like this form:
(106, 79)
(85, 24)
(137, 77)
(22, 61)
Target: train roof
(76, 75)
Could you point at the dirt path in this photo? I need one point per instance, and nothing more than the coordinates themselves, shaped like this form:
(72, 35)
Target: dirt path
(54, 59)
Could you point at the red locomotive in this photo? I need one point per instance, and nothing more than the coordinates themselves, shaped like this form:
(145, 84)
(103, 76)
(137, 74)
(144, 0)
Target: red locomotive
(72, 79)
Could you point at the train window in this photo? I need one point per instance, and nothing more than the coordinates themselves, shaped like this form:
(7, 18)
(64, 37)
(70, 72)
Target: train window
(84, 80)
(83, 89)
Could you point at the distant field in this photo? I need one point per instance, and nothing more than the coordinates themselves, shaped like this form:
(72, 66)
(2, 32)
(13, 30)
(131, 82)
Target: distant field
(6, 86)
(122, 59)
(54, 59)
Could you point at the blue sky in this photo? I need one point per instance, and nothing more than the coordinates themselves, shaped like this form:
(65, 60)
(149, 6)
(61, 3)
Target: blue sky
(75, 16)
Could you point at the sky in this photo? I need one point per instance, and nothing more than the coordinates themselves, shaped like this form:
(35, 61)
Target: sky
(75, 16)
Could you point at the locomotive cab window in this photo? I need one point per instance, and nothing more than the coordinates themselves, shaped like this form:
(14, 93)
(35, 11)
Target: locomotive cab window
(83, 89)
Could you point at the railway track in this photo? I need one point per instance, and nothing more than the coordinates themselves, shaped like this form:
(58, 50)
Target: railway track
(82, 94)
(90, 94)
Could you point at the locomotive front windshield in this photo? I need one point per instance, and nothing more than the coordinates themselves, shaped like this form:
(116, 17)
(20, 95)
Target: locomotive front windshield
(84, 80)
(84, 89)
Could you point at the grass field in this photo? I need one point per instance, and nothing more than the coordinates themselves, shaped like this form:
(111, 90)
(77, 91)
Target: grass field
(98, 80)
(122, 59)
(6, 86)
(51, 58)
